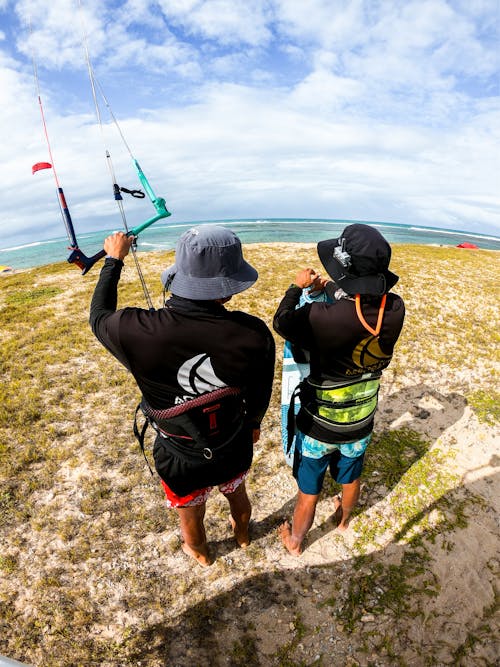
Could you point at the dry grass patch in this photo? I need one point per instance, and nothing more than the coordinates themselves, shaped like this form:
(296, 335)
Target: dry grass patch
(92, 573)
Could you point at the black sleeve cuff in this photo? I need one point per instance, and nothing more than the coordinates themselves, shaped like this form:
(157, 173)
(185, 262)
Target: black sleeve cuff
(113, 260)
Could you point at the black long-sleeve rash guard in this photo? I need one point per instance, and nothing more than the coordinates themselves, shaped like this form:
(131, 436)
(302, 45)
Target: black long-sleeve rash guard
(339, 346)
(333, 332)
(185, 349)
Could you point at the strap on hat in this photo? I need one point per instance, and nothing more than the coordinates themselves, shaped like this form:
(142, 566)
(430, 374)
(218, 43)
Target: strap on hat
(359, 313)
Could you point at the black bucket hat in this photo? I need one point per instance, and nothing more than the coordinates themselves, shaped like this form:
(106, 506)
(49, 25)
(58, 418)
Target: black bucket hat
(208, 265)
(358, 261)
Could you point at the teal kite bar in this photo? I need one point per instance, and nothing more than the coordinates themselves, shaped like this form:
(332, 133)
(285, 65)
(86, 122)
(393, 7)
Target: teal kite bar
(158, 202)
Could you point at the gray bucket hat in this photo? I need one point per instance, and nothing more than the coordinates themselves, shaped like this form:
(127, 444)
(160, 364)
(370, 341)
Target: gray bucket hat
(208, 265)
(358, 261)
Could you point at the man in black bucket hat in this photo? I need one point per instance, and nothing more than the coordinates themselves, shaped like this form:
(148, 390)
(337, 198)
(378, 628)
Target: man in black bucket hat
(348, 339)
(359, 260)
(205, 373)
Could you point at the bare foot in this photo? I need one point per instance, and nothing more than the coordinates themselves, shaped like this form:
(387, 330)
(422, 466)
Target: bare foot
(289, 542)
(240, 534)
(200, 555)
(342, 524)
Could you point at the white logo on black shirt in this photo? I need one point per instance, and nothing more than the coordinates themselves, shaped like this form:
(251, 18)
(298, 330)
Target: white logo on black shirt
(197, 376)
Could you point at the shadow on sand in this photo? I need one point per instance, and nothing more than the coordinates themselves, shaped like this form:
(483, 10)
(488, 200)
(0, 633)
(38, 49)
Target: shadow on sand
(387, 604)
(377, 605)
(390, 459)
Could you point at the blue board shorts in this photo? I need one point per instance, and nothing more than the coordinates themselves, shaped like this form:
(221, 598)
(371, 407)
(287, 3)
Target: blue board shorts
(311, 462)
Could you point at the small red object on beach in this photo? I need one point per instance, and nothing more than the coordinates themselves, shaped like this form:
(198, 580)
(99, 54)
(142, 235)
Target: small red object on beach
(466, 244)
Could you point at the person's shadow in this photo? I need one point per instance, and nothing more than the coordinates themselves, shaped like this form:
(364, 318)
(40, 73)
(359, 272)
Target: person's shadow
(249, 624)
(407, 423)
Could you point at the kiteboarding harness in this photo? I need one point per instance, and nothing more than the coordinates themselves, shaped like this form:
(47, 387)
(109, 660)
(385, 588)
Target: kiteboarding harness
(203, 393)
(338, 404)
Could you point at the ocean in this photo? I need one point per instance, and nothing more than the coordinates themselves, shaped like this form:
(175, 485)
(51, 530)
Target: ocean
(283, 230)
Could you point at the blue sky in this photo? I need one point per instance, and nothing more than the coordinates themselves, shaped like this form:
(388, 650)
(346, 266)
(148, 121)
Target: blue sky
(362, 110)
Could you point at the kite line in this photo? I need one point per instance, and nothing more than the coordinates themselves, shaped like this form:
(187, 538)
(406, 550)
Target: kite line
(77, 256)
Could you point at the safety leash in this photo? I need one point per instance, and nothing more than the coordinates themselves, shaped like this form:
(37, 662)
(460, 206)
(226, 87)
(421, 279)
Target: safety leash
(361, 318)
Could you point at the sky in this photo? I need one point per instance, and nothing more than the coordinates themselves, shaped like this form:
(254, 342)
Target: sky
(381, 110)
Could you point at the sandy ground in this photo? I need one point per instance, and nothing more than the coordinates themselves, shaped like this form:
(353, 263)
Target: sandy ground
(301, 600)
(100, 579)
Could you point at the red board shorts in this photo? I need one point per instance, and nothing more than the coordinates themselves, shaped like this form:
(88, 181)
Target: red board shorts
(200, 496)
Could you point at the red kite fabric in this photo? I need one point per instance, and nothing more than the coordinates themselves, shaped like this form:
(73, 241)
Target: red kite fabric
(466, 244)
(40, 165)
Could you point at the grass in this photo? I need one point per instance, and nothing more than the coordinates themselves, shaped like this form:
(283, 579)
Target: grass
(486, 405)
(90, 560)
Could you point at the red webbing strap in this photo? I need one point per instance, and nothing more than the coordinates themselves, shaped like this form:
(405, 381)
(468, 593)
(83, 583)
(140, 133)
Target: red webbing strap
(196, 402)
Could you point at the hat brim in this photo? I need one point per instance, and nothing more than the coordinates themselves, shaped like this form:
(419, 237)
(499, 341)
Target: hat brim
(376, 285)
(206, 289)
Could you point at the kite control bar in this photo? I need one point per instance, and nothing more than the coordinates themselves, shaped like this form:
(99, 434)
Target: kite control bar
(77, 256)
(86, 263)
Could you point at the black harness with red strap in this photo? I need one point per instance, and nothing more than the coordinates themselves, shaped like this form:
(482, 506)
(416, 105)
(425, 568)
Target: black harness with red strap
(194, 434)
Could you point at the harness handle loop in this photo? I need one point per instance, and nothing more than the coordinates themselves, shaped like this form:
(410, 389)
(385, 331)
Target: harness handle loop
(180, 413)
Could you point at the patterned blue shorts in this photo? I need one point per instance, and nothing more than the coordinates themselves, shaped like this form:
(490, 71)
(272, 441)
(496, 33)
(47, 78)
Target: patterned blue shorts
(344, 460)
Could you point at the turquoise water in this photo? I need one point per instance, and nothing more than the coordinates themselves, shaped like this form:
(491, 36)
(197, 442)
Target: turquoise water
(283, 230)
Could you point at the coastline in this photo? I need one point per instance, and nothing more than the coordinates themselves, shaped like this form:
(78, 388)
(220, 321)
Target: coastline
(162, 237)
(286, 245)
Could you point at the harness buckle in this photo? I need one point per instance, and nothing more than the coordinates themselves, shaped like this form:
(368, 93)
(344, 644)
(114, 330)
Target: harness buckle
(207, 453)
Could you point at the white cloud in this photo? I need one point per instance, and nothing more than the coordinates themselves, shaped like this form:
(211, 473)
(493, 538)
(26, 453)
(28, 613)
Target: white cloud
(228, 21)
(53, 31)
(369, 111)
(333, 25)
(323, 91)
(168, 56)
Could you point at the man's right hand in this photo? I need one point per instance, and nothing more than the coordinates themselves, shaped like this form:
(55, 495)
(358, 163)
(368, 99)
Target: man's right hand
(309, 278)
(117, 245)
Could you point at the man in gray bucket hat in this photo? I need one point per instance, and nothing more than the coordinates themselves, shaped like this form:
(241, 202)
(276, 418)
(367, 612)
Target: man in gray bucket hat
(346, 331)
(209, 265)
(205, 373)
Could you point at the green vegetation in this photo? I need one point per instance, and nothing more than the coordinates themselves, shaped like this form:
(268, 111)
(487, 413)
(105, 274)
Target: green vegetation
(90, 562)
(486, 404)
